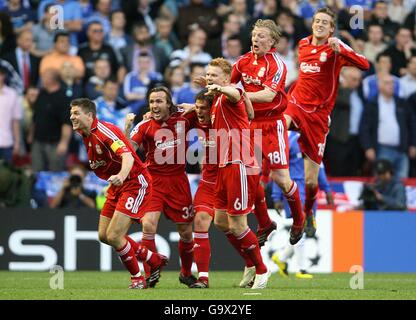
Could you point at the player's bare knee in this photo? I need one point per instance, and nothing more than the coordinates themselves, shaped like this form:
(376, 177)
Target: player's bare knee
(282, 180)
(202, 222)
(221, 225)
(148, 226)
(114, 238)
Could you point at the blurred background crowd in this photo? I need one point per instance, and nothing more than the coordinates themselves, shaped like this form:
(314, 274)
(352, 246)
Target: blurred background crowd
(113, 52)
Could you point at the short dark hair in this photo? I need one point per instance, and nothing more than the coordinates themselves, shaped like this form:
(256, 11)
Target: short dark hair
(329, 12)
(112, 79)
(60, 34)
(383, 166)
(201, 95)
(85, 104)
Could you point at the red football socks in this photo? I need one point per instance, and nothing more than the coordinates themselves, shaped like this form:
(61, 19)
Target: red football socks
(128, 258)
(202, 253)
(186, 253)
(295, 204)
(249, 244)
(260, 209)
(236, 244)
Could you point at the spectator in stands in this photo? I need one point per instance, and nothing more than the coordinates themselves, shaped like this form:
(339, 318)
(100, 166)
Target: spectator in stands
(408, 81)
(388, 128)
(375, 43)
(95, 84)
(28, 101)
(217, 47)
(73, 193)
(194, 16)
(143, 42)
(102, 15)
(380, 16)
(401, 51)
(287, 54)
(193, 52)
(23, 61)
(398, 11)
(165, 38)
(110, 107)
(387, 193)
(175, 81)
(10, 116)
(60, 55)
(136, 84)
(307, 9)
(71, 83)
(188, 92)
(44, 33)
(142, 12)
(51, 129)
(343, 143)
(118, 39)
(7, 36)
(96, 49)
(72, 16)
(15, 187)
(370, 83)
(234, 49)
(22, 18)
(293, 25)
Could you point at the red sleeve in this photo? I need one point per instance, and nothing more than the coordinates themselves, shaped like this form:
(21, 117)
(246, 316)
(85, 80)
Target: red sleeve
(137, 134)
(351, 58)
(276, 75)
(113, 138)
(192, 118)
(236, 74)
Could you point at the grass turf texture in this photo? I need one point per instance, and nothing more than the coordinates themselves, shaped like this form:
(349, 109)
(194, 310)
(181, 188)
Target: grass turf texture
(223, 286)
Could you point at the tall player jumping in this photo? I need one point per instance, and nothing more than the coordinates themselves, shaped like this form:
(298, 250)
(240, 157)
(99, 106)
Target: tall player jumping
(312, 97)
(112, 158)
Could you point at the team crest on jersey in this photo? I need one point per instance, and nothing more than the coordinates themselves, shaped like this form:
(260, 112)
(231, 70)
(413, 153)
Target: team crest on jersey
(98, 149)
(323, 57)
(261, 72)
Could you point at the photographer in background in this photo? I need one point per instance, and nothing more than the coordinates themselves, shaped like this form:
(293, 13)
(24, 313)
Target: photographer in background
(73, 194)
(387, 193)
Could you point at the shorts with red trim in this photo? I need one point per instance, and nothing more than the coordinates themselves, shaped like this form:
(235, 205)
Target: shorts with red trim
(275, 145)
(313, 128)
(172, 196)
(235, 190)
(205, 197)
(131, 198)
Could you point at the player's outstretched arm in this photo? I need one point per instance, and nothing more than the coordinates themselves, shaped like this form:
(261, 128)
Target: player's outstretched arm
(265, 95)
(351, 58)
(129, 123)
(126, 165)
(231, 92)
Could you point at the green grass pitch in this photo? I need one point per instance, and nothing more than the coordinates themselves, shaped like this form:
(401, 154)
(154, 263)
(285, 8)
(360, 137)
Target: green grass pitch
(223, 286)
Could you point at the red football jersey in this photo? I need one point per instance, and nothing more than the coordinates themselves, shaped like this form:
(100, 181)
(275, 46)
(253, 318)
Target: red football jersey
(105, 145)
(164, 143)
(257, 73)
(320, 66)
(207, 138)
(233, 132)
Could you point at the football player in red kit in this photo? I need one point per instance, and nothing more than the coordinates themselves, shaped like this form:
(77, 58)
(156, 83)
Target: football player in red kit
(312, 97)
(238, 172)
(163, 138)
(263, 74)
(112, 158)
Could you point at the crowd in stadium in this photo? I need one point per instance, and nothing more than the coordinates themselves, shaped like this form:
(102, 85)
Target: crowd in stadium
(113, 52)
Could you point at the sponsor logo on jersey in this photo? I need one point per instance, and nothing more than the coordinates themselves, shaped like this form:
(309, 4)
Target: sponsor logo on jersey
(309, 68)
(97, 163)
(248, 79)
(210, 143)
(167, 144)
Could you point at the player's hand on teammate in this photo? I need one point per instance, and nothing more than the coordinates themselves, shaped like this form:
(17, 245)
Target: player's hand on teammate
(147, 115)
(334, 44)
(187, 108)
(213, 89)
(116, 180)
